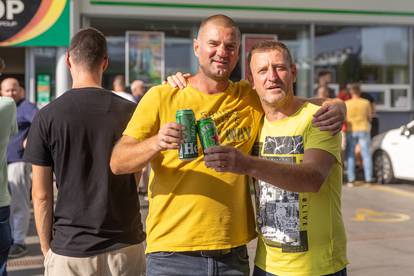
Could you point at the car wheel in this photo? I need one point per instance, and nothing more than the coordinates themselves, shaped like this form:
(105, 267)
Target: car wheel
(383, 168)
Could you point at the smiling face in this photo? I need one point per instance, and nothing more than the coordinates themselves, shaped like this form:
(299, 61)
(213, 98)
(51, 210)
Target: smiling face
(217, 49)
(273, 76)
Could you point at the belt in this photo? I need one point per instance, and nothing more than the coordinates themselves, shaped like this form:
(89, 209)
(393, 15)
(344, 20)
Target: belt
(209, 253)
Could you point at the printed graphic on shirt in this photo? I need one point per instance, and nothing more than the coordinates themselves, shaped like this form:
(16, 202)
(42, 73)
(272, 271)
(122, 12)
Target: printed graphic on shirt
(281, 214)
(283, 145)
(237, 134)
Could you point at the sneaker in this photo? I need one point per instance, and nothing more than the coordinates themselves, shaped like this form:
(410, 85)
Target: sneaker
(17, 250)
(350, 184)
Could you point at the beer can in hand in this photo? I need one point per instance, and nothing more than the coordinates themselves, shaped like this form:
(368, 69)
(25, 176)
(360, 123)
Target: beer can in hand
(208, 133)
(188, 148)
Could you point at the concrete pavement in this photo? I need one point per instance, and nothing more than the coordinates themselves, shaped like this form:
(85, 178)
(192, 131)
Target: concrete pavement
(379, 221)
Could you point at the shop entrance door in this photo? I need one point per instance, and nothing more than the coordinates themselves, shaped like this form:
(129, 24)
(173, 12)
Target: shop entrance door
(40, 72)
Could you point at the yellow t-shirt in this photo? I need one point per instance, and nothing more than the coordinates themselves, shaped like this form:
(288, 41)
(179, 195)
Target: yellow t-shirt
(299, 233)
(357, 115)
(192, 207)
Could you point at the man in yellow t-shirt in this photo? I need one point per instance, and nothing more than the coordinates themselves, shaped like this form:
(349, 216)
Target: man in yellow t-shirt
(358, 127)
(205, 218)
(199, 220)
(298, 168)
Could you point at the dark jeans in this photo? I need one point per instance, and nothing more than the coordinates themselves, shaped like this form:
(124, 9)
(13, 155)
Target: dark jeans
(178, 263)
(5, 238)
(258, 272)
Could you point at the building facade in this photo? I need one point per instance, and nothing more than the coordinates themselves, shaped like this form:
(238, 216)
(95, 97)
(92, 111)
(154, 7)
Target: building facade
(370, 41)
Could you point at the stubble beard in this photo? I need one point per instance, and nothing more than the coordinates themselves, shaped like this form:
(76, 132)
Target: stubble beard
(276, 101)
(220, 76)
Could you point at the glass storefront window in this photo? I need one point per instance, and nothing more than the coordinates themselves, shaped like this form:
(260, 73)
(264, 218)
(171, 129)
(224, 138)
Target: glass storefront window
(178, 44)
(399, 98)
(378, 97)
(370, 54)
(45, 70)
(116, 53)
(179, 54)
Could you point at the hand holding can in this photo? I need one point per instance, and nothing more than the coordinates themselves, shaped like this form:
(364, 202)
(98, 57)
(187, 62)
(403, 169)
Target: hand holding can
(169, 136)
(207, 132)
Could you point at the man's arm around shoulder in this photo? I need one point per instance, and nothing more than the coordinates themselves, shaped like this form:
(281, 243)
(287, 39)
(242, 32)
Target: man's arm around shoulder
(330, 116)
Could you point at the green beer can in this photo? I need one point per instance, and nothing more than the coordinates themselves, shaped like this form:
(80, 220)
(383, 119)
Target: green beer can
(208, 133)
(188, 148)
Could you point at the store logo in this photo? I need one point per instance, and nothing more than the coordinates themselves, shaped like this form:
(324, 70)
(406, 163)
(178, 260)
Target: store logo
(15, 15)
(22, 20)
(9, 8)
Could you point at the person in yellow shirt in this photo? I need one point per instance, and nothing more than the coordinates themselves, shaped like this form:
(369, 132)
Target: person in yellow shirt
(298, 172)
(358, 129)
(199, 221)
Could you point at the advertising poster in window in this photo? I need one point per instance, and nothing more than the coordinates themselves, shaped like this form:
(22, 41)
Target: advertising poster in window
(248, 40)
(144, 57)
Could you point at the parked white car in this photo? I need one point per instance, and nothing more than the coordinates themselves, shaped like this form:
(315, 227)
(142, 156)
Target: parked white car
(393, 154)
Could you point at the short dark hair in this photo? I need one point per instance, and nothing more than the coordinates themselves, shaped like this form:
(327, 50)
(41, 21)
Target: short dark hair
(88, 47)
(324, 73)
(355, 88)
(223, 20)
(269, 45)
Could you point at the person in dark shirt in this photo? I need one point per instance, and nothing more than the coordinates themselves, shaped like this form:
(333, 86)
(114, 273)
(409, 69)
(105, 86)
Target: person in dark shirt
(96, 224)
(374, 118)
(18, 170)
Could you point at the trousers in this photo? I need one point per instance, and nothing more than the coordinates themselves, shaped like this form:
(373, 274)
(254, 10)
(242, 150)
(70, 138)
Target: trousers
(20, 185)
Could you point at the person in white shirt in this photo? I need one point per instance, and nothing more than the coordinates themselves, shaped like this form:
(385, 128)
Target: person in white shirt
(118, 86)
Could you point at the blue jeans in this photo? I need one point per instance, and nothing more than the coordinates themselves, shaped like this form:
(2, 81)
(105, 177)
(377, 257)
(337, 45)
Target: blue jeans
(5, 238)
(259, 272)
(364, 140)
(183, 264)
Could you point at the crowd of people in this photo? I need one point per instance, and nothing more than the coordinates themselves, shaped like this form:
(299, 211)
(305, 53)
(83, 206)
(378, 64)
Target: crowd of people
(95, 143)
